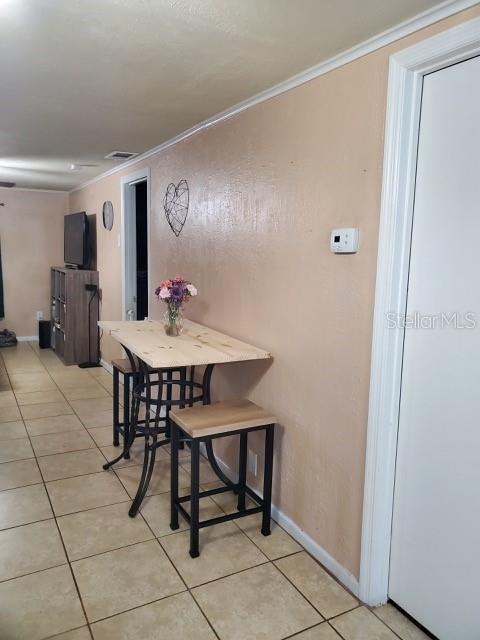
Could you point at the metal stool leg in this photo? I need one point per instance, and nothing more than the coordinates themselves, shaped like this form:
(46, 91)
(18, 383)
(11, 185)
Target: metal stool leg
(173, 476)
(131, 436)
(242, 471)
(116, 420)
(194, 498)
(267, 480)
(126, 414)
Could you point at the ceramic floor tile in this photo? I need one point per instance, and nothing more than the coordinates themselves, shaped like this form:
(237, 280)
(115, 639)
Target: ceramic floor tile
(28, 382)
(7, 399)
(325, 593)
(101, 529)
(9, 414)
(85, 393)
(227, 501)
(39, 605)
(85, 492)
(321, 632)
(77, 634)
(89, 407)
(29, 365)
(119, 580)
(136, 453)
(68, 465)
(183, 454)
(24, 505)
(160, 481)
(99, 372)
(224, 549)
(71, 377)
(62, 442)
(30, 548)
(4, 383)
(207, 475)
(399, 623)
(19, 474)
(174, 617)
(362, 624)
(103, 436)
(156, 511)
(18, 449)
(276, 545)
(39, 397)
(45, 410)
(108, 385)
(53, 424)
(98, 419)
(259, 604)
(12, 430)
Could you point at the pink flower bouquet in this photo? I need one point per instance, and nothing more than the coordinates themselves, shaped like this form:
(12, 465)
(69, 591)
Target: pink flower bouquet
(175, 293)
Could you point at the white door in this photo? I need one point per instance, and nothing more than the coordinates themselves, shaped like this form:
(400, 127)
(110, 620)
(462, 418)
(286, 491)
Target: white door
(435, 554)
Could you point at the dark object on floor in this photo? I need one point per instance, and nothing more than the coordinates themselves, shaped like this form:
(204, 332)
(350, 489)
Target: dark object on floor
(44, 334)
(8, 338)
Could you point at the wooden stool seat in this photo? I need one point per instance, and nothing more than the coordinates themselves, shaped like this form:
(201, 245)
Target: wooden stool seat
(122, 364)
(221, 417)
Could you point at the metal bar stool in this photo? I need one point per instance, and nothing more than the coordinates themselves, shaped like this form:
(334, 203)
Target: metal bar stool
(122, 428)
(203, 424)
(121, 366)
(153, 389)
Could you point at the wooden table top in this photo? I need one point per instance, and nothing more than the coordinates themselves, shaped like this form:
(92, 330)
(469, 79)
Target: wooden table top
(198, 345)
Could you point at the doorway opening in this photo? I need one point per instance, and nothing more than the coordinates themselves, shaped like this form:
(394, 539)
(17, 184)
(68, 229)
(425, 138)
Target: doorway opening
(142, 249)
(135, 244)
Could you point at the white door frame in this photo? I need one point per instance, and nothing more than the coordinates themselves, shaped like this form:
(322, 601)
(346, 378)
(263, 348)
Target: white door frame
(407, 69)
(128, 249)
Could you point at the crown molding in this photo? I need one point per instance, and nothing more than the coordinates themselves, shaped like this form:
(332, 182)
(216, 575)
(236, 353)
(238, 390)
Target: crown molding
(420, 21)
(35, 190)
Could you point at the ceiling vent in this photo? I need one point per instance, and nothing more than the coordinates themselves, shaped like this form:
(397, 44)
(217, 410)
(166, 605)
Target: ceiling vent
(7, 185)
(120, 155)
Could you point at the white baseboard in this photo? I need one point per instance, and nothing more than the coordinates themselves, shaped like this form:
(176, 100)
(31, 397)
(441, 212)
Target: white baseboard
(319, 553)
(106, 365)
(27, 338)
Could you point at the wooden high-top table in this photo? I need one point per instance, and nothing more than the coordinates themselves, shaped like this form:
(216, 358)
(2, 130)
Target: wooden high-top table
(149, 348)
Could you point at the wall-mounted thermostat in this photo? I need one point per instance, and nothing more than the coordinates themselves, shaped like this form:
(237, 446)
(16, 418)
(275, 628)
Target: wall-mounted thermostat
(344, 241)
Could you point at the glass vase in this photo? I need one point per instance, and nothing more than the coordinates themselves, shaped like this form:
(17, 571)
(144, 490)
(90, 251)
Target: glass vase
(173, 320)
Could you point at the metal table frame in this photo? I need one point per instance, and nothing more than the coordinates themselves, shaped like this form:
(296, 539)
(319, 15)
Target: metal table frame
(151, 427)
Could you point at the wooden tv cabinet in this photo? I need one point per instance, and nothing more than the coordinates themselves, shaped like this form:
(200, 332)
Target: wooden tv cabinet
(72, 315)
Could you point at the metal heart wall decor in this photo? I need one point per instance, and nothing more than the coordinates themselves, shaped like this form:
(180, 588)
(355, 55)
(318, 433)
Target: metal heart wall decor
(175, 205)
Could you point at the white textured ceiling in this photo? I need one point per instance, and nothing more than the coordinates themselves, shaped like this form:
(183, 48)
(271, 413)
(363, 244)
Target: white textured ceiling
(80, 78)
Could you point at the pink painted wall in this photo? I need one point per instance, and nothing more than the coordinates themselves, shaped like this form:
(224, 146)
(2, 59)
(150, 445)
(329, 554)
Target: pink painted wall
(266, 188)
(31, 232)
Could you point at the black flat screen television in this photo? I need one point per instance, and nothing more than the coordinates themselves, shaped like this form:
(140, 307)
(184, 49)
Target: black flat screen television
(75, 244)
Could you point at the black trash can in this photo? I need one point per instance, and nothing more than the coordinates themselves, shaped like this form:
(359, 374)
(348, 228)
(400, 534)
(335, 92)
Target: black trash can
(44, 334)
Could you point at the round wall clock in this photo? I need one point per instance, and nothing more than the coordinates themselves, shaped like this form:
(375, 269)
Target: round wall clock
(107, 215)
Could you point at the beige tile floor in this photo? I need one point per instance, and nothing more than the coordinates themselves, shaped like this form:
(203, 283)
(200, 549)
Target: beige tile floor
(74, 566)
